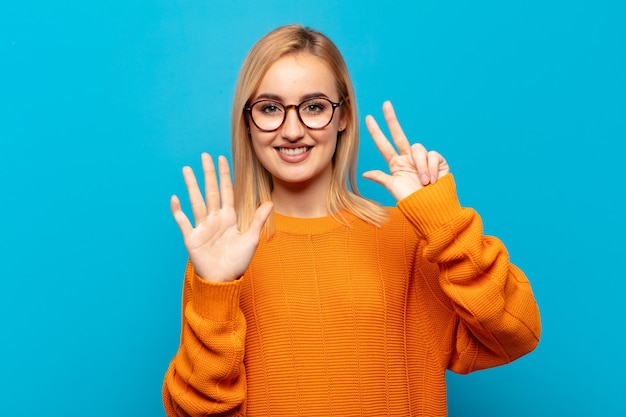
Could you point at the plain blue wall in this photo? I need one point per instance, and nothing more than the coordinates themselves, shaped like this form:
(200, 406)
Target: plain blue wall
(101, 103)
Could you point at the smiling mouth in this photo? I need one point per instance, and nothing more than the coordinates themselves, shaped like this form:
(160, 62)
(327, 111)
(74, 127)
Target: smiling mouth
(293, 151)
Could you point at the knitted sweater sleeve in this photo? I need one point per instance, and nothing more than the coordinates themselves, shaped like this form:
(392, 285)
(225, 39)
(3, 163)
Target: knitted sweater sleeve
(206, 376)
(491, 315)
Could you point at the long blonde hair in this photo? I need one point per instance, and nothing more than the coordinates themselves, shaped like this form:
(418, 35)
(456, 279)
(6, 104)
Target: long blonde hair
(253, 183)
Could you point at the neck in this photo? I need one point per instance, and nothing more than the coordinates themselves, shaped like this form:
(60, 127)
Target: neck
(301, 200)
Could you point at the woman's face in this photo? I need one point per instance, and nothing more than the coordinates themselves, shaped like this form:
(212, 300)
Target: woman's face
(295, 154)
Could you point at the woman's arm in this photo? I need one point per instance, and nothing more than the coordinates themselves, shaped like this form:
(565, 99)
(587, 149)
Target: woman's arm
(207, 376)
(494, 317)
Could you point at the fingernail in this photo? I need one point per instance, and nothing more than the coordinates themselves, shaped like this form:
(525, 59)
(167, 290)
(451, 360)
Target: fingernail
(425, 179)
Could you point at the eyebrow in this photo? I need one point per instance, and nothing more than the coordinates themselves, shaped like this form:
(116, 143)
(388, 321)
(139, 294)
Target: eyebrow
(276, 97)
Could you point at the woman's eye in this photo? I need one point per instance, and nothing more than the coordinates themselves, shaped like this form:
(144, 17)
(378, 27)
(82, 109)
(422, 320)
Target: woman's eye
(315, 107)
(270, 109)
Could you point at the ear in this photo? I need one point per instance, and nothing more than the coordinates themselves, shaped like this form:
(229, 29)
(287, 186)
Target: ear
(343, 122)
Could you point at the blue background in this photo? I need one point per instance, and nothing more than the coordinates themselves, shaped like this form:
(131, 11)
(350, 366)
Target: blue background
(102, 103)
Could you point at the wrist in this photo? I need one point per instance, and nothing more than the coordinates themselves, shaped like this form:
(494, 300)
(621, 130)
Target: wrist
(217, 301)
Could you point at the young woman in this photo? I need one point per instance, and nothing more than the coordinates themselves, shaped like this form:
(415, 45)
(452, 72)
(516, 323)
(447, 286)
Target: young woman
(303, 298)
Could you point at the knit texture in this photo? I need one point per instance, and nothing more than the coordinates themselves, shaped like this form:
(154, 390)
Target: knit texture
(334, 319)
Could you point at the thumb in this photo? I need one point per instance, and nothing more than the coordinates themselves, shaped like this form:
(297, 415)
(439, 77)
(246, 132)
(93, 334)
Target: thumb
(377, 176)
(260, 217)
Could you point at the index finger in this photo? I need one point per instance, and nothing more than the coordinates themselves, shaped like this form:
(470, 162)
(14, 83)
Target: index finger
(397, 134)
(226, 184)
(382, 143)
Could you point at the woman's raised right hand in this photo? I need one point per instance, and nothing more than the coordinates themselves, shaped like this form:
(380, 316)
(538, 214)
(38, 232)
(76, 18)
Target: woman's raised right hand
(218, 250)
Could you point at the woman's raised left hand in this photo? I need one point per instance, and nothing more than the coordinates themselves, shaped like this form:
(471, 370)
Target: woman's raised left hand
(411, 167)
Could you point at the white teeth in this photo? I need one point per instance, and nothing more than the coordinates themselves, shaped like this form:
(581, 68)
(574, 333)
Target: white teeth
(292, 151)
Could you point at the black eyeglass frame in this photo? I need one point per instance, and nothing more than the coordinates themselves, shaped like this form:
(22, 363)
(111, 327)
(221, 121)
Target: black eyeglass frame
(248, 108)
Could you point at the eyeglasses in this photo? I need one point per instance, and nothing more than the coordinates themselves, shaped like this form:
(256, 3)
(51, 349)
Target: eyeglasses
(314, 113)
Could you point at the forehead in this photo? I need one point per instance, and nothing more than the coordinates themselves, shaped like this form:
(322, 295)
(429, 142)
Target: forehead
(293, 77)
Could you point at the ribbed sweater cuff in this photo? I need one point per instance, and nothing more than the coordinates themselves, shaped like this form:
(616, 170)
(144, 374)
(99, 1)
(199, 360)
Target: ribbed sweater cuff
(218, 302)
(432, 207)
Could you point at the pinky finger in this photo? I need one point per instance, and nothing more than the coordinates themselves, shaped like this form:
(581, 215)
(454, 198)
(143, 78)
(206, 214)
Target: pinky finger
(179, 216)
(434, 161)
(420, 158)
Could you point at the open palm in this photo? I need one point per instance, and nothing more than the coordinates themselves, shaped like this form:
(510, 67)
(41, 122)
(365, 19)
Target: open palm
(218, 250)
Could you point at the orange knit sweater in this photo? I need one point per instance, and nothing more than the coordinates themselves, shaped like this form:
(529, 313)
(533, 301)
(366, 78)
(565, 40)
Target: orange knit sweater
(353, 320)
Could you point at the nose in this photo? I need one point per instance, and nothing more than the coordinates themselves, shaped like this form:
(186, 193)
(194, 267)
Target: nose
(292, 128)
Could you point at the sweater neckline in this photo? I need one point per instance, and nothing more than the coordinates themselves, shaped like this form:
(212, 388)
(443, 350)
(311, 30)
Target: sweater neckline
(311, 226)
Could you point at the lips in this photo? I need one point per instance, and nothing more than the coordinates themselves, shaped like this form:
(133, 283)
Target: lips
(294, 154)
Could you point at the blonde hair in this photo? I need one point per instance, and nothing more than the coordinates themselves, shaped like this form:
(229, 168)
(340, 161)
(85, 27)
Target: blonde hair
(252, 182)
